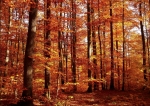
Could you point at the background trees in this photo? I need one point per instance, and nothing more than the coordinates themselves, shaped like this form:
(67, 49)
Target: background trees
(80, 45)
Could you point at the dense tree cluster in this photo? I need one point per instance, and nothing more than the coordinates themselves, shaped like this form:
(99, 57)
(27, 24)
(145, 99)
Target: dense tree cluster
(53, 46)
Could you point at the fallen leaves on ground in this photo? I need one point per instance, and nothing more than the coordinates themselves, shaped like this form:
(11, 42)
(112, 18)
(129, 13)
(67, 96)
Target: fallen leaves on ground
(106, 98)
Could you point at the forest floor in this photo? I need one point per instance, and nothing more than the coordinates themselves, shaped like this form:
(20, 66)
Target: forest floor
(106, 98)
(98, 98)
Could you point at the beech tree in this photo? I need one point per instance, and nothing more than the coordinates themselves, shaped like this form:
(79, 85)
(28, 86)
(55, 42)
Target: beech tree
(123, 63)
(89, 44)
(94, 44)
(47, 46)
(72, 46)
(73, 43)
(143, 41)
(112, 48)
(100, 46)
(28, 60)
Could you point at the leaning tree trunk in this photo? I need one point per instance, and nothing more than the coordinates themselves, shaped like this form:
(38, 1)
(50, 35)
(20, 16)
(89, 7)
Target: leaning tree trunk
(28, 60)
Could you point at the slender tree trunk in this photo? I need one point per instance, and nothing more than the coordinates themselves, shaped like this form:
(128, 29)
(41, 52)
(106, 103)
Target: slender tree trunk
(88, 44)
(123, 64)
(112, 50)
(66, 51)
(100, 49)
(73, 40)
(1, 62)
(95, 73)
(149, 44)
(143, 43)
(27, 95)
(147, 36)
(0, 16)
(66, 57)
(104, 57)
(47, 48)
(117, 64)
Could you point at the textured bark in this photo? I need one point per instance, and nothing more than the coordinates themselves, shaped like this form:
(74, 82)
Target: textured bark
(149, 44)
(111, 50)
(100, 48)
(1, 61)
(104, 85)
(123, 63)
(47, 48)
(89, 43)
(28, 60)
(95, 74)
(143, 42)
(60, 47)
(73, 40)
(117, 68)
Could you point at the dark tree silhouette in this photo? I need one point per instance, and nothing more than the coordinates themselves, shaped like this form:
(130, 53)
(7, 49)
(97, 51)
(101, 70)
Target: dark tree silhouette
(47, 47)
(111, 49)
(28, 60)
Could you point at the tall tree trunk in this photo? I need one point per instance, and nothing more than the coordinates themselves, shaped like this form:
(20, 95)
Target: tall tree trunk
(28, 60)
(104, 57)
(147, 36)
(60, 69)
(88, 44)
(143, 42)
(61, 42)
(66, 57)
(95, 74)
(117, 64)
(47, 48)
(73, 44)
(100, 48)
(0, 16)
(123, 61)
(112, 50)
(149, 44)
(1, 62)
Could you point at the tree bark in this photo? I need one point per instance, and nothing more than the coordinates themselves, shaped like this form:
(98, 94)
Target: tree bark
(88, 44)
(112, 50)
(47, 48)
(95, 73)
(143, 42)
(100, 49)
(123, 63)
(27, 99)
(73, 40)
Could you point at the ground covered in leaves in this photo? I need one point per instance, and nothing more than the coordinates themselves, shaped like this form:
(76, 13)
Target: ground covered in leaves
(106, 98)
(97, 98)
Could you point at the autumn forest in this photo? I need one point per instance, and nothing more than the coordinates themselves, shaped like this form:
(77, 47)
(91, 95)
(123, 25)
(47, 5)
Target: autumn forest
(52, 51)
